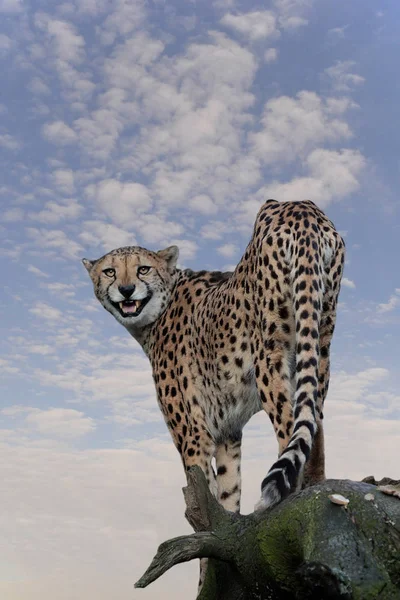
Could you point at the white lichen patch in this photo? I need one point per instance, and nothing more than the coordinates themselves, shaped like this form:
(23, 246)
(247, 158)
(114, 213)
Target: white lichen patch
(339, 499)
(392, 490)
(369, 497)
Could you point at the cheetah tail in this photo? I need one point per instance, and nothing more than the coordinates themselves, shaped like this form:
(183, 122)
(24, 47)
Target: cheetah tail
(285, 475)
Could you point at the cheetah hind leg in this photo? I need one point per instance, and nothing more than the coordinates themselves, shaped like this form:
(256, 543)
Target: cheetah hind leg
(314, 471)
(227, 457)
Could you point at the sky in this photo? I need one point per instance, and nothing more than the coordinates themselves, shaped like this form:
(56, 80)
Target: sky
(158, 123)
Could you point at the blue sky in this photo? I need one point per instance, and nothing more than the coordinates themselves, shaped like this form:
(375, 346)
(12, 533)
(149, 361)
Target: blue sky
(155, 123)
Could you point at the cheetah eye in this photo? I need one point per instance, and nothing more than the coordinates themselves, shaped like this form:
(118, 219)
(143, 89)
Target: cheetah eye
(143, 270)
(109, 272)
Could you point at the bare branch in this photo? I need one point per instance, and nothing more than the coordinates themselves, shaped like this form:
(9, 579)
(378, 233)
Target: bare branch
(182, 549)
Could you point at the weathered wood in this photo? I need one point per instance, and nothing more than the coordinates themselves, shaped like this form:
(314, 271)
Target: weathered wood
(182, 549)
(306, 548)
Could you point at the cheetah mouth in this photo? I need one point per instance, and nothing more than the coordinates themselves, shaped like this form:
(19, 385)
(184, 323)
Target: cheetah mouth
(131, 308)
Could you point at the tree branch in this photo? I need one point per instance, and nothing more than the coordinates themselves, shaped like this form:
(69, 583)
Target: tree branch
(182, 549)
(203, 511)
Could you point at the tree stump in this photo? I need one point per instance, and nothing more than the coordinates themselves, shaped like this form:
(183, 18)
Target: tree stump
(305, 548)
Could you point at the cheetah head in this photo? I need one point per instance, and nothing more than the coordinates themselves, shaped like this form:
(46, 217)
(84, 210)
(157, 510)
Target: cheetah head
(134, 284)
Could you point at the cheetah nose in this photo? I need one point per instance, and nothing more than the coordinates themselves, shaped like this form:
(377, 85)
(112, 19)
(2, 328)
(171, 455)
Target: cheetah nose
(126, 290)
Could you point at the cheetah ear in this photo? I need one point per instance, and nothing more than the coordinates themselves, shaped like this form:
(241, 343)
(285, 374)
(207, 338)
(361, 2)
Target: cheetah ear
(170, 255)
(88, 264)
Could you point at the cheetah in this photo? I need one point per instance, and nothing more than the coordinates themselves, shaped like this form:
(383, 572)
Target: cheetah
(223, 346)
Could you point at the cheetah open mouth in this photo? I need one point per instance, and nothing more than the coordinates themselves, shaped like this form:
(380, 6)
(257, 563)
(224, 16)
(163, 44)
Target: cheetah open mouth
(131, 308)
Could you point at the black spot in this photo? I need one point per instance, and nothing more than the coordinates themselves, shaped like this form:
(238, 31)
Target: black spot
(284, 313)
(324, 351)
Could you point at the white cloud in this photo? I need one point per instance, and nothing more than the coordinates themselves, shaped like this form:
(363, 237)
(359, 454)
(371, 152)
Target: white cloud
(5, 43)
(291, 23)
(332, 175)
(337, 32)
(60, 422)
(37, 271)
(122, 202)
(255, 25)
(59, 133)
(91, 507)
(9, 142)
(109, 236)
(11, 6)
(341, 77)
(292, 127)
(155, 230)
(125, 18)
(99, 133)
(348, 283)
(216, 230)
(393, 302)
(63, 49)
(63, 179)
(346, 388)
(290, 13)
(13, 214)
(203, 204)
(187, 248)
(56, 241)
(8, 366)
(66, 44)
(54, 212)
(103, 378)
(37, 86)
(270, 55)
(47, 312)
(42, 349)
(193, 109)
(62, 290)
(228, 250)
(52, 422)
(383, 404)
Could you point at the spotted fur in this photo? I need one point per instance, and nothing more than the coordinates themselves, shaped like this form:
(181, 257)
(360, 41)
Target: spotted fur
(223, 346)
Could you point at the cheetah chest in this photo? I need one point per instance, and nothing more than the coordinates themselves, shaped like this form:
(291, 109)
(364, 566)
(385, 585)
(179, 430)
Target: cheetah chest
(229, 405)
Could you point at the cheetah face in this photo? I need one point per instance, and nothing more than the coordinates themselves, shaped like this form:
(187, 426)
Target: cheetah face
(134, 284)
